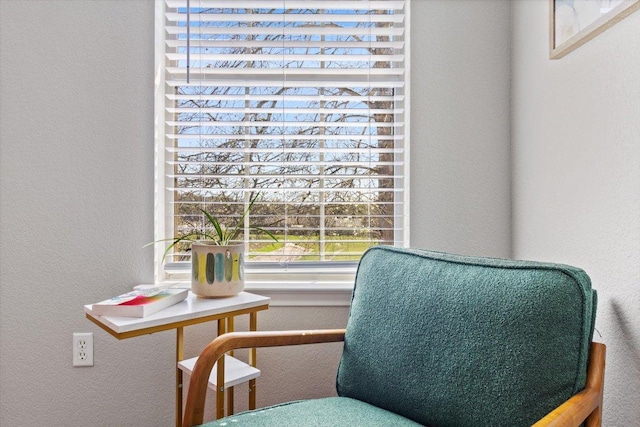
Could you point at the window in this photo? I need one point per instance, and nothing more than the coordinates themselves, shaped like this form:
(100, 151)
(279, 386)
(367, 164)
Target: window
(301, 103)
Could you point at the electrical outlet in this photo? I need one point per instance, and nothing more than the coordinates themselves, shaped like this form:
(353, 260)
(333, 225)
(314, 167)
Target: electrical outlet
(83, 349)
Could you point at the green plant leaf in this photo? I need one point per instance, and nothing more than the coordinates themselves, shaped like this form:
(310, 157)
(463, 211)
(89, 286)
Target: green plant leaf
(186, 237)
(262, 230)
(216, 225)
(223, 235)
(236, 230)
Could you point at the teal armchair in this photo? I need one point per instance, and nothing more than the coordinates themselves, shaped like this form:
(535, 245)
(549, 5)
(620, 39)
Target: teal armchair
(448, 341)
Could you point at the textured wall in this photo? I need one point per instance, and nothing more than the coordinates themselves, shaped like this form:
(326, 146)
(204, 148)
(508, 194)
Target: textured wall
(76, 87)
(76, 190)
(460, 156)
(576, 178)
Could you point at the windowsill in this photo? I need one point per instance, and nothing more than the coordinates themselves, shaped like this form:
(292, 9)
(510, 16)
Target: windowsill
(299, 286)
(297, 293)
(303, 293)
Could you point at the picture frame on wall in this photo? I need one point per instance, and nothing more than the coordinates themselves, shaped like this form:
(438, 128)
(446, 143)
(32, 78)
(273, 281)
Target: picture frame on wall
(572, 23)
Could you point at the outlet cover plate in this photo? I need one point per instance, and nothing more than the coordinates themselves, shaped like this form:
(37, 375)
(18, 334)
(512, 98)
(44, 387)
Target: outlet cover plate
(83, 349)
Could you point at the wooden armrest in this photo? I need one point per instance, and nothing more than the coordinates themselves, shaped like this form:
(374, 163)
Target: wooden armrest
(586, 406)
(194, 409)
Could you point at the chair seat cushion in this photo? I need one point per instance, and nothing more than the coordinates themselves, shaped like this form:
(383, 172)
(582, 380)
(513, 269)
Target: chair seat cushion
(331, 411)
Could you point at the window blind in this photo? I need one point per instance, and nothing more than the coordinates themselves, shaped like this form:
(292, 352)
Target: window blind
(298, 102)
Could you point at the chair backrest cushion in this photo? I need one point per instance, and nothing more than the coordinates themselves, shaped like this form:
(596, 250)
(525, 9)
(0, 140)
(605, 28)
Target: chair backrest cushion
(448, 340)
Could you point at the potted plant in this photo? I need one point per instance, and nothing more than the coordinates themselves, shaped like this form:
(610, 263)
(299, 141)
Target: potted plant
(217, 260)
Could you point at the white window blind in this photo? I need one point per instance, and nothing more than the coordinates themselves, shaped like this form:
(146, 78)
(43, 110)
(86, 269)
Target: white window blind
(301, 102)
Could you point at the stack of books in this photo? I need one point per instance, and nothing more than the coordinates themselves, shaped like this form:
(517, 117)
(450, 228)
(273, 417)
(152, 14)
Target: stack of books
(139, 303)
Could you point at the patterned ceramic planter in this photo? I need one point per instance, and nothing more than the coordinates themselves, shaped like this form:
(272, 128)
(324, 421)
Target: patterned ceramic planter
(216, 271)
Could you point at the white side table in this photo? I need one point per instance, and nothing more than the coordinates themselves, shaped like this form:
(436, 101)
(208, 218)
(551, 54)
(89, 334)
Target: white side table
(192, 311)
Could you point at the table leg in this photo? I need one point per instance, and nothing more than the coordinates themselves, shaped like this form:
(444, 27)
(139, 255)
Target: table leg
(230, 392)
(179, 357)
(253, 326)
(220, 376)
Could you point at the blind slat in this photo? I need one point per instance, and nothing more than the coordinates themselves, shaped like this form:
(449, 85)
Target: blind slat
(316, 71)
(320, 111)
(244, 97)
(175, 149)
(285, 31)
(311, 80)
(288, 44)
(277, 190)
(291, 164)
(285, 57)
(315, 124)
(248, 17)
(292, 4)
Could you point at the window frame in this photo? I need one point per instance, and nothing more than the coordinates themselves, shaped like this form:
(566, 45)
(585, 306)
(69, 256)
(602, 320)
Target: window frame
(321, 286)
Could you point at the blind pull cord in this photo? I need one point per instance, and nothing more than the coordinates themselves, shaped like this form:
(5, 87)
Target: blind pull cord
(188, 37)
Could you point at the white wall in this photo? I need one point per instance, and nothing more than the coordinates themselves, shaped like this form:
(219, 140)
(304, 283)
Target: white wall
(76, 180)
(76, 202)
(576, 178)
(460, 155)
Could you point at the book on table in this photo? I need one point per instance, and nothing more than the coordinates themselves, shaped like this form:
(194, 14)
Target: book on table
(139, 303)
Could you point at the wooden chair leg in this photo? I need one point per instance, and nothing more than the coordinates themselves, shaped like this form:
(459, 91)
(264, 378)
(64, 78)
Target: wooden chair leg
(596, 379)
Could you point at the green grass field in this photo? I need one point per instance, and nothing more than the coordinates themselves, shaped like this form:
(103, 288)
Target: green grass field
(338, 248)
